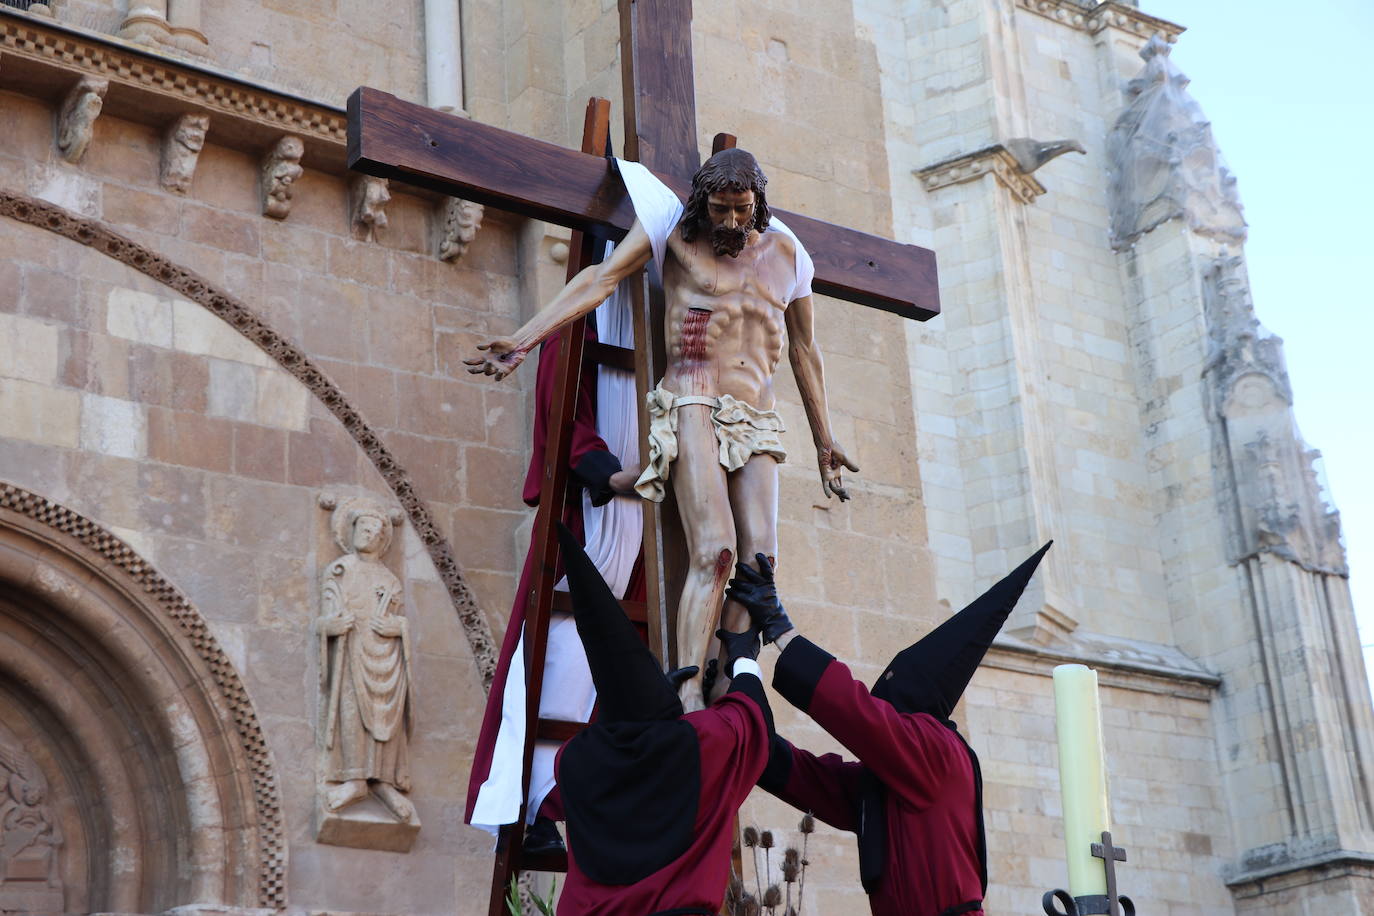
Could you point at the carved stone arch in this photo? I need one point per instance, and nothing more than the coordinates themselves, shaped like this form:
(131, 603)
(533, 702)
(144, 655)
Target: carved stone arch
(291, 358)
(116, 693)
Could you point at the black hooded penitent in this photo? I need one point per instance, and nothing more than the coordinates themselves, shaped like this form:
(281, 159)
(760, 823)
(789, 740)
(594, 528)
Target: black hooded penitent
(631, 781)
(930, 677)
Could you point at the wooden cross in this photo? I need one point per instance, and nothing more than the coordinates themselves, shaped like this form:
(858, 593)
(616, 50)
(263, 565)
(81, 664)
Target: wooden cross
(410, 143)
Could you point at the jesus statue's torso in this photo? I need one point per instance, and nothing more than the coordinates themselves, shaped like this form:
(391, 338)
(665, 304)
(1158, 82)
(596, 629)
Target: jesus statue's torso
(725, 325)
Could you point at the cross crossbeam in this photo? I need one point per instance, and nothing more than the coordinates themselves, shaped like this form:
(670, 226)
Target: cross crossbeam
(392, 138)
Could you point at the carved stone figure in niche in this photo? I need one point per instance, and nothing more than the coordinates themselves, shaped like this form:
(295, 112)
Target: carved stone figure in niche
(370, 197)
(1164, 162)
(461, 220)
(181, 148)
(29, 837)
(280, 170)
(76, 118)
(365, 664)
(737, 284)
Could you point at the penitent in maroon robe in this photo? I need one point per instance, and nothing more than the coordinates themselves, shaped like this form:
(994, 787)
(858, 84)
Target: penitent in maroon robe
(732, 737)
(933, 863)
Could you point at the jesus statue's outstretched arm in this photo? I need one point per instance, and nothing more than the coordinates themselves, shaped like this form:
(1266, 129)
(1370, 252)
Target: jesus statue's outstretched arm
(809, 372)
(592, 286)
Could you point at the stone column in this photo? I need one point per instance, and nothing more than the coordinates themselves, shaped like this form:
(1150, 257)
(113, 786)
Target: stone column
(185, 25)
(444, 56)
(146, 22)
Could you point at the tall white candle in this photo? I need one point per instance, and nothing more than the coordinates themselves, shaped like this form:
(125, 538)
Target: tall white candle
(1082, 775)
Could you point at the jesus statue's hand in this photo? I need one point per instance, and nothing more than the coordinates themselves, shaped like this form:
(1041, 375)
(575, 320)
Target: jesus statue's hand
(832, 459)
(500, 357)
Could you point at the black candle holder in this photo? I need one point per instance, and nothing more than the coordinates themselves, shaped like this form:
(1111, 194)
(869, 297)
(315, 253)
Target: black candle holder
(1108, 904)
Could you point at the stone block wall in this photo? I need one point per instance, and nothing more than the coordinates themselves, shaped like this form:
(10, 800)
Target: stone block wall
(150, 415)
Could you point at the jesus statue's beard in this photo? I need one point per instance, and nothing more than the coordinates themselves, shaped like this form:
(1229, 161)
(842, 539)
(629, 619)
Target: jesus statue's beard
(729, 241)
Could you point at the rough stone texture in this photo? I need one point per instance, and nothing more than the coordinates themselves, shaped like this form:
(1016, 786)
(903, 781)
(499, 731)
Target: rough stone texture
(187, 374)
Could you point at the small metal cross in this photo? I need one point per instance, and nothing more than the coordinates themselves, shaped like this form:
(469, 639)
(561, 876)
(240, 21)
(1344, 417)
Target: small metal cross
(1110, 855)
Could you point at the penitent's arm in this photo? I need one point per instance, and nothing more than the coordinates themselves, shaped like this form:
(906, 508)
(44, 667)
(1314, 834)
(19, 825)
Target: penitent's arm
(809, 372)
(584, 292)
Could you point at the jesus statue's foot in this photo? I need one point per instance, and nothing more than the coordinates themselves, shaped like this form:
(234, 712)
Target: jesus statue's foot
(346, 793)
(392, 799)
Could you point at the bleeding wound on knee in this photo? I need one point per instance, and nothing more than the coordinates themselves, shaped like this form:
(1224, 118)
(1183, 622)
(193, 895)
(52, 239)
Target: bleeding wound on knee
(724, 562)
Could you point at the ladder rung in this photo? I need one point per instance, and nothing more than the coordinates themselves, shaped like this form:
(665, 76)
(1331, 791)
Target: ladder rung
(637, 611)
(557, 729)
(609, 355)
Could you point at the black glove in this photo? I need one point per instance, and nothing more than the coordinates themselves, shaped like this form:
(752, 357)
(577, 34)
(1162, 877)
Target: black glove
(739, 645)
(754, 588)
(679, 676)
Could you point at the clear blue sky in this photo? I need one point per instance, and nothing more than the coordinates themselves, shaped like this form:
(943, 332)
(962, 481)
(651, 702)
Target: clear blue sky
(1287, 87)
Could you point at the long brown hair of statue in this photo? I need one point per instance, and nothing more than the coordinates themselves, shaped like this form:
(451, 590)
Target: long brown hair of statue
(727, 170)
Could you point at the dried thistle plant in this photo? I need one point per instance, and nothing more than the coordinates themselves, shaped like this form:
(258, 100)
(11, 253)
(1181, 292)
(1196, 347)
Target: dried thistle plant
(771, 897)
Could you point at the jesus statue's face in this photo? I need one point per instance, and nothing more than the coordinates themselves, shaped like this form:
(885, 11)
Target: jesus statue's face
(732, 218)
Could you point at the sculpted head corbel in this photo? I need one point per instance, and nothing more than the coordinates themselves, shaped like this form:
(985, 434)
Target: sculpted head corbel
(280, 169)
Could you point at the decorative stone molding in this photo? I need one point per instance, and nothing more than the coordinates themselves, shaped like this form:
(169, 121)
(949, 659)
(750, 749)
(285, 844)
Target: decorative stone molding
(1129, 664)
(459, 221)
(994, 160)
(257, 114)
(280, 169)
(181, 146)
(369, 196)
(1274, 498)
(1011, 164)
(1164, 162)
(76, 117)
(269, 821)
(195, 288)
(367, 685)
(1090, 18)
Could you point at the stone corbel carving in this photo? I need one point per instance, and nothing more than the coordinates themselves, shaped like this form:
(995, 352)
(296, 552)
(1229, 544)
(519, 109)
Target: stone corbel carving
(1011, 163)
(1163, 160)
(370, 196)
(76, 118)
(181, 146)
(458, 225)
(367, 710)
(30, 878)
(280, 169)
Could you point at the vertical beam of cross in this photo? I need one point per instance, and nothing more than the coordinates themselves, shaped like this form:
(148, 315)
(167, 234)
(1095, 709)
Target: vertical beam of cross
(660, 133)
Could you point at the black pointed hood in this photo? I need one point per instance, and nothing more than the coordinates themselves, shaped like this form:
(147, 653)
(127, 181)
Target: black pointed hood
(931, 675)
(630, 685)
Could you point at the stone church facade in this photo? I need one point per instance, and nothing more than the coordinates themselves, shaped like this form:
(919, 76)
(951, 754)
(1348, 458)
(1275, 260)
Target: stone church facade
(233, 420)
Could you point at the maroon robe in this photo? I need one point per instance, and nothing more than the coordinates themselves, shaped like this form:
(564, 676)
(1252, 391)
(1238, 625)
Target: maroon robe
(733, 739)
(592, 465)
(932, 862)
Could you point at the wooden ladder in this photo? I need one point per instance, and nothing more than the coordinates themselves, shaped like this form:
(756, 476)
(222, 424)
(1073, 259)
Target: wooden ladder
(541, 599)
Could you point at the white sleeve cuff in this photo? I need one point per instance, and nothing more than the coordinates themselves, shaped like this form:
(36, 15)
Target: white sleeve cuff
(747, 666)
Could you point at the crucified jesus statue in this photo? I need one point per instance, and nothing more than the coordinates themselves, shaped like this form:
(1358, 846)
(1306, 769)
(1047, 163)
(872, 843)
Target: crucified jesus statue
(733, 280)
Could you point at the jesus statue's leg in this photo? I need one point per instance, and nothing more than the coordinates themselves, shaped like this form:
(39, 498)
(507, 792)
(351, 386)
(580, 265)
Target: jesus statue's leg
(754, 505)
(704, 503)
